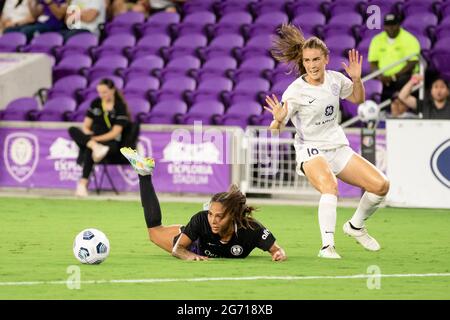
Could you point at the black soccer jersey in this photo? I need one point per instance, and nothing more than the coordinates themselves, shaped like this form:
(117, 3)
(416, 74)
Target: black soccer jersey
(243, 241)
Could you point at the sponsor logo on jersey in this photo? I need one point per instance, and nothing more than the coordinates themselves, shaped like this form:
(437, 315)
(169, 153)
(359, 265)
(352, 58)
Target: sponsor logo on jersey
(236, 250)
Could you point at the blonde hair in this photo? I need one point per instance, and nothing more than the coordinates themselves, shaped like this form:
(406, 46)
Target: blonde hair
(289, 44)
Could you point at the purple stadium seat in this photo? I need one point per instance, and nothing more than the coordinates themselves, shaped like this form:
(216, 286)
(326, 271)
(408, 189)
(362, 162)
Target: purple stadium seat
(143, 66)
(300, 7)
(335, 63)
(239, 114)
(414, 7)
(252, 67)
(10, 42)
(114, 45)
(265, 23)
(385, 6)
(258, 45)
(158, 23)
(124, 23)
(67, 87)
(440, 57)
(44, 43)
(216, 67)
(229, 24)
(165, 112)
(106, 66)
(138, 107)
(373, 89)
(280, 87)
(209, 89)
(78, 44)
(443, 29)
(281, 72)
(71, 65)
(340, 7)
(268, 6)
(178, 66)
(55, 109)
(194, 23)
(148, 45)
(247, 89)
(340, 44)
(224, 7)
(139, 86)
(419, 22)
(221, 46)
(173, 88)
(203, 111)
(192, 6)
(185, 45)
(363, 46)
(309, 21)
(19, 109)
(91, 91)
(80, 113)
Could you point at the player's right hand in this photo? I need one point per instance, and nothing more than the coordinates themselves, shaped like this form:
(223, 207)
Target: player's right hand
(278, 111)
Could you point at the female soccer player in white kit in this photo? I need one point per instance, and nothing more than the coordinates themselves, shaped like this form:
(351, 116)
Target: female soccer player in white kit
(311, 102)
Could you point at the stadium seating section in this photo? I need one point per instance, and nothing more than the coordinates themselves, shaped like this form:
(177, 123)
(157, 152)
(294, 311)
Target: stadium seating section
(211, 62)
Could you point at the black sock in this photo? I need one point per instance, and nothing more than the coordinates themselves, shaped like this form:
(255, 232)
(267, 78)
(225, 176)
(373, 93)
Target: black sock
(150, 202)
(353, 227)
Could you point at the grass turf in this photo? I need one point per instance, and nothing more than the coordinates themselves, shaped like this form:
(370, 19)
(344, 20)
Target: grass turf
(37, 235)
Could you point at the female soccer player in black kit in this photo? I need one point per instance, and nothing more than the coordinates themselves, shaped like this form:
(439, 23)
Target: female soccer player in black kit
(225, 230)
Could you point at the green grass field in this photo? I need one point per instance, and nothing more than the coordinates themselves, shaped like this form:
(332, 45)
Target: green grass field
(37, 234)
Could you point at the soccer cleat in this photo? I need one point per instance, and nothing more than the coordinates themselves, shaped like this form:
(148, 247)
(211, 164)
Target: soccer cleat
(329, 252)
(362, 236)
(143, 166)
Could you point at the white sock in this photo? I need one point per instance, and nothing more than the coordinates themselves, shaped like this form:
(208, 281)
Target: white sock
(327, 218)
(368, 204)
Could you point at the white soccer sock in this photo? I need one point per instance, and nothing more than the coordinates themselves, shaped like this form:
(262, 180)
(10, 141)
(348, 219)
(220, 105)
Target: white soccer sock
(368, 204)
(327, 218)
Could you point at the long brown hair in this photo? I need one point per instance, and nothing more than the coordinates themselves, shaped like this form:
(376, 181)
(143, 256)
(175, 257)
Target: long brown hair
(235, 204)
(289, 44)
(117, 95)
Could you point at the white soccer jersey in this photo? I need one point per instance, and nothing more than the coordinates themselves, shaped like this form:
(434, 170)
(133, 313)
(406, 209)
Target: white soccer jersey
(314, 110)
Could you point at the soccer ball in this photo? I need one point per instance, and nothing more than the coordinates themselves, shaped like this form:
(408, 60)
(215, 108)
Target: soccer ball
(91, 246)
(368, 111)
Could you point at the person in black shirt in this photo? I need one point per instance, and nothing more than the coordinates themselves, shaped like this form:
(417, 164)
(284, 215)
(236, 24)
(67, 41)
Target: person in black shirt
(102, 130)
(225, 229)
(435, 106)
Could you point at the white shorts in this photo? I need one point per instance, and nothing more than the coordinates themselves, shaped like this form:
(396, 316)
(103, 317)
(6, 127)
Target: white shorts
(337, 158)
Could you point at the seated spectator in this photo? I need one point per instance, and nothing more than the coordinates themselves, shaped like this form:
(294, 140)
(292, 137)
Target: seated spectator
(164, 5)
(92, 13)
(392, 45)
(101, 132)
(436, 105)
(118, 7)
(16, 13)
(49, 15)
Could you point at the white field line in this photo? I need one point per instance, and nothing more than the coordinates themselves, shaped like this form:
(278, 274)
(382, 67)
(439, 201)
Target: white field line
(255, 278)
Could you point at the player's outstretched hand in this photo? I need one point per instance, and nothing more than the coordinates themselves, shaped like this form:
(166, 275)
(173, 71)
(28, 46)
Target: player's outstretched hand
(199, 258)
(278, 111)
(279, 255)
(354, 68)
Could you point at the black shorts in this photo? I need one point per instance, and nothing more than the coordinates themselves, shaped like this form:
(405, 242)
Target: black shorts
(194, 247)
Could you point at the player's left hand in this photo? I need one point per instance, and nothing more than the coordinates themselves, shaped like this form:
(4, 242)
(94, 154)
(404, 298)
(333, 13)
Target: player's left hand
(354, 68)
(279, 255)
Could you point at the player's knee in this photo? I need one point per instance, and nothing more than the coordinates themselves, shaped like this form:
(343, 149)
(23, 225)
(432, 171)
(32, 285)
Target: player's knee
(382, 187)
(328, 186)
